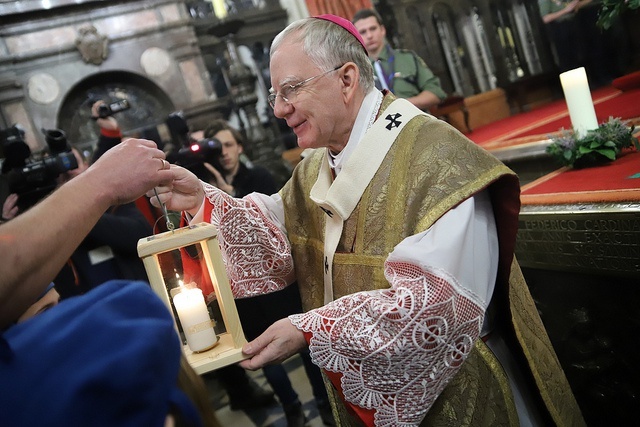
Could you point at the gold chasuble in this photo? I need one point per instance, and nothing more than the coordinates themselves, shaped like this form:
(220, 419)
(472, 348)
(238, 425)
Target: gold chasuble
(429, 168)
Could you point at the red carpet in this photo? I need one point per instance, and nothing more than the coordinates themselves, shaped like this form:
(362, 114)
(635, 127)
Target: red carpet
(537, 124)
(618, 181)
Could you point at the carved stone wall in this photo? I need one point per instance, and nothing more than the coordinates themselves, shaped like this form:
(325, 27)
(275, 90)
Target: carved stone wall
(51, 62)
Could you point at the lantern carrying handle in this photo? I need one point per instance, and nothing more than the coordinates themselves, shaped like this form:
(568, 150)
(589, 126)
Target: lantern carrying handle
(170, 225)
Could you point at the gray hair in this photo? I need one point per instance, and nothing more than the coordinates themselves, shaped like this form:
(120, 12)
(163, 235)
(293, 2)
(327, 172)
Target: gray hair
(328, 45)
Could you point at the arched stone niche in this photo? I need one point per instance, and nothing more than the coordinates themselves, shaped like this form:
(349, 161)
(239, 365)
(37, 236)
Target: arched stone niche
(149, 106)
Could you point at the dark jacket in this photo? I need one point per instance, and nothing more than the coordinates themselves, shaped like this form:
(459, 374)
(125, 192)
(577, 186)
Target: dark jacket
(256, 178)
(108, 252)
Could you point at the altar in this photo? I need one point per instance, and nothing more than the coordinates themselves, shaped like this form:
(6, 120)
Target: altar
(583, 220)
(520, 141)
(578, 244)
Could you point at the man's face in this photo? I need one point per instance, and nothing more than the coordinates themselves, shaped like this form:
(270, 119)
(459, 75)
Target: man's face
(372, 33)
(317, 109)
(231, 150)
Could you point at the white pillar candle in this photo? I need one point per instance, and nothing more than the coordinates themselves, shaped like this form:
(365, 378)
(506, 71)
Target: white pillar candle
(195, 320)
(576, 92)
(219, 8)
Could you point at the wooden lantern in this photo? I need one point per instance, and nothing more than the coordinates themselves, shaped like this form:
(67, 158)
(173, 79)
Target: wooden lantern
(190, 257)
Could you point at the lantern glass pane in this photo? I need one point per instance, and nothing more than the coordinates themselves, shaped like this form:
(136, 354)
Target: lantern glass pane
(186, 267)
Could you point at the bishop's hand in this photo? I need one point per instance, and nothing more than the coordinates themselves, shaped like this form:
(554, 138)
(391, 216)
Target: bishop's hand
(183, 193)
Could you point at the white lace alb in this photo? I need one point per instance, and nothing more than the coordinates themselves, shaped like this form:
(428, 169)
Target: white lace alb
(260, 252)
(396, 349)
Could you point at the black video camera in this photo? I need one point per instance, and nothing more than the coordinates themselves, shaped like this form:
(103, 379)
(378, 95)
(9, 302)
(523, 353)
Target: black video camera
(29, 177)
(189, 153)
(107, 110)
(193, 156)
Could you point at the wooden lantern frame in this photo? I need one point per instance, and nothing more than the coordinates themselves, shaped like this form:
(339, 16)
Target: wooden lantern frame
(228, 350)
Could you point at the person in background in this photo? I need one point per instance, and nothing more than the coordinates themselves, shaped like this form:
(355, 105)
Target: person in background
(562, 27)
(576, 39)
(258, 313)
(110, 136)
(110, 133)
(400, 233)
(232, 175)
(401, 71)
(579, 41)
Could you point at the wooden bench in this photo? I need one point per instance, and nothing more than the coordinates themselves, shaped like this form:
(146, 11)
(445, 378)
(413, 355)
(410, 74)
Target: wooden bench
(450, 105)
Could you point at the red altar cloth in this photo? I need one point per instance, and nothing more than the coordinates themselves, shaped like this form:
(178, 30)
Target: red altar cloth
(538, 124)
(618, 181)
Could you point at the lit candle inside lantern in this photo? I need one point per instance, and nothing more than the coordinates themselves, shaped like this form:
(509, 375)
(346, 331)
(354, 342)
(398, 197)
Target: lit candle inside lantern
(576, 92)
(194, 318)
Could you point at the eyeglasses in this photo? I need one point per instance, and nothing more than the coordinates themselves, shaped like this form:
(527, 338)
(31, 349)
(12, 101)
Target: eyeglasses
(288, 92)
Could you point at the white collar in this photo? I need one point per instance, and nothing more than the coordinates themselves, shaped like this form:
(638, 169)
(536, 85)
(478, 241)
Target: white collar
(364, 120)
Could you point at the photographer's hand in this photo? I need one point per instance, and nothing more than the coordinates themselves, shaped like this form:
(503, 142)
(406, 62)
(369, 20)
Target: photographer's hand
(10, 207)
(109, 123)
(220, 182)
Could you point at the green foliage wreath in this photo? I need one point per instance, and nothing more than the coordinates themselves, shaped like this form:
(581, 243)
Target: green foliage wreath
(598, 146)
(610, 10)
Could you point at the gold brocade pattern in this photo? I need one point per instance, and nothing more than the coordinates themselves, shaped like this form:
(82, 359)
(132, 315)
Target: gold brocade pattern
(545, 366)
(417, 183)
(479, 395)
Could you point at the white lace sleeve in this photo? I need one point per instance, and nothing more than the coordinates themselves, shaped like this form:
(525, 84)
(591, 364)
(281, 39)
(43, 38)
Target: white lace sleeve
(256, 252)
(398, 348)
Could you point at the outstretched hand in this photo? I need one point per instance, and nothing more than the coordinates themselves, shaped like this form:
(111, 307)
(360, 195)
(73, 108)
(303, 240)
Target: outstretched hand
(183, 193)
(279, 342)
(128, 170)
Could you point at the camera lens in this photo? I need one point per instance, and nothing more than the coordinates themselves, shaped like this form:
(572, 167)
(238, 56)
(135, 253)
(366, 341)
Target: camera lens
(63, 162)
(57, 140)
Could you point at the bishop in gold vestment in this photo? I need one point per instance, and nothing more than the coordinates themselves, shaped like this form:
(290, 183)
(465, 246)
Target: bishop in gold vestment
(400, 233)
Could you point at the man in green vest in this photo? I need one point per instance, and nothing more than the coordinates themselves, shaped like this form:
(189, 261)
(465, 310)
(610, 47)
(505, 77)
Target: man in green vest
(401, 71)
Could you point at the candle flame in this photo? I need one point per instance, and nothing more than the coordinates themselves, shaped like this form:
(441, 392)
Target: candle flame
(180, 282)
